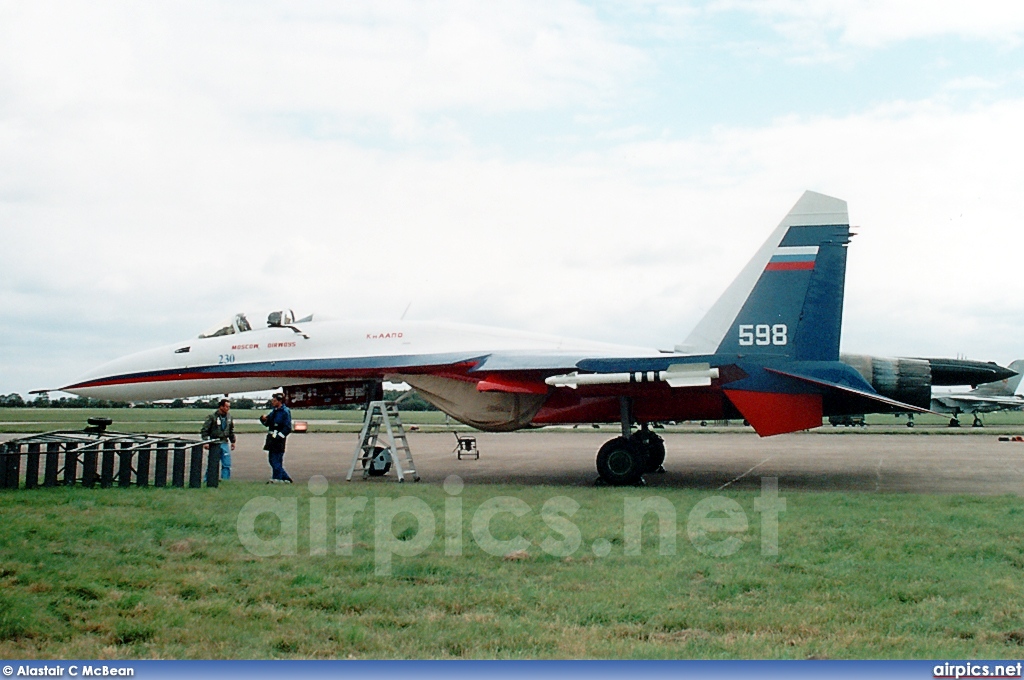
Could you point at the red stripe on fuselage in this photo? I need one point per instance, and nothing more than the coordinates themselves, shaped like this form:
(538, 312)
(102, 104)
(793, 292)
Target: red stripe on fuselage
(134, 379)
(789, 266)
(457, 371)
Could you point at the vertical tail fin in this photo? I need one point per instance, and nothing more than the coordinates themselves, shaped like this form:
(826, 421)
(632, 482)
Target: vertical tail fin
(1014, 382)
(788, 300)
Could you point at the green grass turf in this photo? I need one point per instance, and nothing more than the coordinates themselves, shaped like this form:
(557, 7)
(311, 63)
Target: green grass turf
(161, 573)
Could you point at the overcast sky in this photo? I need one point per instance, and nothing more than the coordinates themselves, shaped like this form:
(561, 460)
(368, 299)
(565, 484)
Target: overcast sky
(600, 170)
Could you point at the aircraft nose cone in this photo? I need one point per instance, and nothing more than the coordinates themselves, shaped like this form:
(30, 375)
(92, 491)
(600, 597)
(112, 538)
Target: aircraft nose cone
(93, 383)
(122, 379)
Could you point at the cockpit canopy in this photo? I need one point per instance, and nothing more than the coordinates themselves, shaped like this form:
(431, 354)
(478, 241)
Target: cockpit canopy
(240, 324)
(285, 317)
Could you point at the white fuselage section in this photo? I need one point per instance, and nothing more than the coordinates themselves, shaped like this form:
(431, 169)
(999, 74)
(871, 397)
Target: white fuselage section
(322, 351)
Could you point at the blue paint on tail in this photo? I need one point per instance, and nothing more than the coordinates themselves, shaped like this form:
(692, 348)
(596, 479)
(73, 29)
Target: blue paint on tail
(795, 309)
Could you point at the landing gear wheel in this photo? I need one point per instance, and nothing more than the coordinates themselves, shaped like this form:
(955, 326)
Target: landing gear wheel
(620, 462)
(977, 422)
(953, 422)
(380, 463)
(653, 446)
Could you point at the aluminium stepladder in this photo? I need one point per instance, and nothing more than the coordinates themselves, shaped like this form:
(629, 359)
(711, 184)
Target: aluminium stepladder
(375, 458)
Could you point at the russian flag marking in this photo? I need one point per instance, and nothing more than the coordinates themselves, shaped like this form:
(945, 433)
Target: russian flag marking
(792, 258)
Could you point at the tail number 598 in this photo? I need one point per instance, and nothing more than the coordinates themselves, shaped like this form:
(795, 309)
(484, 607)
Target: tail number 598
(763, 334)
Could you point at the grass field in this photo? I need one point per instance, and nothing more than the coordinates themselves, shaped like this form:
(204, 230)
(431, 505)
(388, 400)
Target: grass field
(161, 573)
(189, 421)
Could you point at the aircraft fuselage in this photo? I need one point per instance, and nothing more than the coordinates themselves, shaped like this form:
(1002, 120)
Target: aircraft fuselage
(331, 351)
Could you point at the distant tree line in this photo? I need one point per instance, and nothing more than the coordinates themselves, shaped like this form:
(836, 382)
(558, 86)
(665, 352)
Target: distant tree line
(241, 403)
(15, 400)
(414, 402)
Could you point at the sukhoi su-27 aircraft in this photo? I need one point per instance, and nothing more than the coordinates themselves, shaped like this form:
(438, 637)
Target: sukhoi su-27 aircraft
(767, 352)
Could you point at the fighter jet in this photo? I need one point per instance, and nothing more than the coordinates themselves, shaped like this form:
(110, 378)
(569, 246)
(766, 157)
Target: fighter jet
(767, 351)
(996, 396)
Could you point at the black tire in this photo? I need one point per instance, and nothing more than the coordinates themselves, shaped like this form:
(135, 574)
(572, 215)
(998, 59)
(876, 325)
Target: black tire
(653, 447)
(953, 422)
(620, 462)
(377, 471)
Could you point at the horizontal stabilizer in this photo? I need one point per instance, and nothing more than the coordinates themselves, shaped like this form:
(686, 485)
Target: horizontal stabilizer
(853, 391)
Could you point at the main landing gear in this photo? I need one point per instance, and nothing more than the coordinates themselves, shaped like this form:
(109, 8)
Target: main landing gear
(955, 420)
(623, 461)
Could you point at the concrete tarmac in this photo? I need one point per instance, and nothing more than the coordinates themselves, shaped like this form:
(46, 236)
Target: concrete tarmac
(874, 463)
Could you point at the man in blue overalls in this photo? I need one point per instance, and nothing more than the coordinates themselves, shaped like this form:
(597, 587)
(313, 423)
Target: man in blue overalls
(221, 427)
(279, 422)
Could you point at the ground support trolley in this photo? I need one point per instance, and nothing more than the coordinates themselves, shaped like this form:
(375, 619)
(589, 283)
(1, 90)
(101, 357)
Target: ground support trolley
(95, 457)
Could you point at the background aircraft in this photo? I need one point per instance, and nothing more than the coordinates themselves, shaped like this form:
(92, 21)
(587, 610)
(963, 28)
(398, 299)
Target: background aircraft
(767, 351)
(912, 380)
(996, 396)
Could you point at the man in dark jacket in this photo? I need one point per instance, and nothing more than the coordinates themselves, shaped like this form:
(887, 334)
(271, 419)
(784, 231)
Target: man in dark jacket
(221, 427)
(279, 422)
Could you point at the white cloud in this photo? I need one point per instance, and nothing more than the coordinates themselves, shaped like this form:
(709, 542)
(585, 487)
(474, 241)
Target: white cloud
(593, 248)
(372, 59)
(934, 189)
(152, 181)
(822, 26)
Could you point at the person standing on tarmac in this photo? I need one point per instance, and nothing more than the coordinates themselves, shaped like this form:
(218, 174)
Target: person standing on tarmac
(279, 422)
(220, 426)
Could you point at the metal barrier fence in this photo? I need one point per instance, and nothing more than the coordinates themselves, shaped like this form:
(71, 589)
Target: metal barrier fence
(106, 459)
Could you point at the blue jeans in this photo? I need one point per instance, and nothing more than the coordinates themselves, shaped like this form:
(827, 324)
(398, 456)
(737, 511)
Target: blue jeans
(225, 459)
(275, 455)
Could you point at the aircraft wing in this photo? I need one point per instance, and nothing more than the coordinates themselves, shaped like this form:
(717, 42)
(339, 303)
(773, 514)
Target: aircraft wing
(552, 360)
